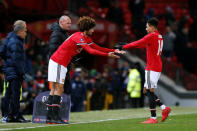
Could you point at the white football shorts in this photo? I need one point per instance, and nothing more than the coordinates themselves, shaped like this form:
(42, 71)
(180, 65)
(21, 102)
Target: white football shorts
(56, 72)
(151, 79)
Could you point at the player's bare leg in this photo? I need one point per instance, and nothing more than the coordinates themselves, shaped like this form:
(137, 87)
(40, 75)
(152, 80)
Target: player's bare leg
(59, 89)
(52, 90)
(152, 90)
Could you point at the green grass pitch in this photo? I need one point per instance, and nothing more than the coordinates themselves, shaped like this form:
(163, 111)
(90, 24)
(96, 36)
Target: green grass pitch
(180, 119)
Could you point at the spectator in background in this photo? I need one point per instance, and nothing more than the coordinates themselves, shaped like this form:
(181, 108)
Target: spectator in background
(124, 70)
(134, 86)
(150, 14)
(31, 85)
(118, 91)
(137, 10)
(193, 30)
(40, 81)
(138, 28)
(115, 14)
(169, 38)
(98, 95)
(105, 3)
(90, 86)
(41, 48)
(3, 15)
(192, 7)
(74, 5)
(181, 43)
(108, 90)
(78, 94)
(14, 71)
(39, 63)
(183, 22)
(29, 65)
(169, 16)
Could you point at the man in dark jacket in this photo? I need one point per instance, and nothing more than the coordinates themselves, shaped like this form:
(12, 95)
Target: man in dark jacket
(78, 93)
(59, 35)
(14, 69)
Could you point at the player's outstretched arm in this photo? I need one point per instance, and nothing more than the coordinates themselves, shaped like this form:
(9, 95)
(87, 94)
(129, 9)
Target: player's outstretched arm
(92, 51)
(139, 43)
(107, 50)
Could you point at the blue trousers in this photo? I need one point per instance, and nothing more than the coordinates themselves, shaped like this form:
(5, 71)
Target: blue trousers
(12, 97)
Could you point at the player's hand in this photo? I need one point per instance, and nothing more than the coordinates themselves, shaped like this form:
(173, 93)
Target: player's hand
(117, 51)
(111, 54)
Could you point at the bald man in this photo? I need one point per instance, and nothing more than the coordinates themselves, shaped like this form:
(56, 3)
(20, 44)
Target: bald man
(59, 33)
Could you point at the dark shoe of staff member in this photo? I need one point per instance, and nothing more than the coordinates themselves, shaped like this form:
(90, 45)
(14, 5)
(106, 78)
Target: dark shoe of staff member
(19, 119)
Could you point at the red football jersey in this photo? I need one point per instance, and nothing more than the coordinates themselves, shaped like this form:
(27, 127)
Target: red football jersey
(74, 45)
(153, 43)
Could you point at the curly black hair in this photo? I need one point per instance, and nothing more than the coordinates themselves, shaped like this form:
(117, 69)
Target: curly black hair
(85, 23)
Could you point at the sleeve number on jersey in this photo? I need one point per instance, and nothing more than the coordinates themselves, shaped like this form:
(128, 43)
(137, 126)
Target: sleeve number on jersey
(160, 46)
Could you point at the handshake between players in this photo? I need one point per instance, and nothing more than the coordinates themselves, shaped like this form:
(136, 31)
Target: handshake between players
(114, 54)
